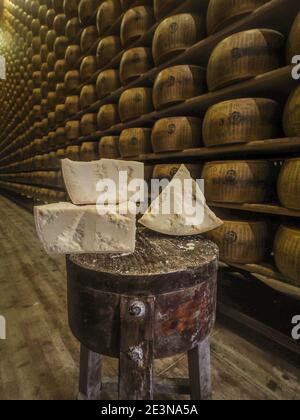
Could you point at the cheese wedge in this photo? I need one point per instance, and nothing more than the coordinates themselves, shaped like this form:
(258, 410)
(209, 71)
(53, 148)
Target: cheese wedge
(189, 213)
(82, 181)
(64, 228)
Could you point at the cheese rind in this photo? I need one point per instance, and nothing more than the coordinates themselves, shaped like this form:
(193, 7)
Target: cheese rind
(188, 222)
(64, 228)
(82, 181)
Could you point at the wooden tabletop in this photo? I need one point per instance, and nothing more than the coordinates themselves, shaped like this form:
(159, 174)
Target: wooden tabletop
(183, 261)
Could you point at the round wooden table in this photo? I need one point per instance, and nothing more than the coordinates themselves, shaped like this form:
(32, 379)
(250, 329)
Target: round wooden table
(155, 303)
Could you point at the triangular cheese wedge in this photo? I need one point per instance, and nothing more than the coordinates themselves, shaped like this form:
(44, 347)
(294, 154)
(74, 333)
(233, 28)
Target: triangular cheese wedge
(67, 229)
(82, 181)
(189, 213)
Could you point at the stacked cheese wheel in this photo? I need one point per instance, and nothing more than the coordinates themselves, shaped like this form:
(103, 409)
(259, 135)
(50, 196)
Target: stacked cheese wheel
(116, 79)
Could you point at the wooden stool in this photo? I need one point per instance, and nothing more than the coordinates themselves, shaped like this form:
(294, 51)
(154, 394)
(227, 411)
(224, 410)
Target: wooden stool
(156, 303)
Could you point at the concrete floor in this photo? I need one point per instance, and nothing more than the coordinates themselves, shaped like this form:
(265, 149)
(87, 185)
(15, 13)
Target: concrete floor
(39, 358)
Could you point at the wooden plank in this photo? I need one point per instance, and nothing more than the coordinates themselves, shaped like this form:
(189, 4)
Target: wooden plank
(263, 269)
(275, 209)
(136, 350)
(271, 147)
(90, 374)
(163, 386)
(259, 328)
(200, 372)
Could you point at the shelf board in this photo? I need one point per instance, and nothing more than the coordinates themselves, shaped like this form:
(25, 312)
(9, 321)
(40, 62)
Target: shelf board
(276, 14)
(267, 274)
(275, 209)
(263, 269)
(272, 146)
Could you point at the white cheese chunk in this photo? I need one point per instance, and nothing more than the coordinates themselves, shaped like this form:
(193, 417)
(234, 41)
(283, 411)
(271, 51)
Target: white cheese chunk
(182, 218)
(82, 181)
(64, 228)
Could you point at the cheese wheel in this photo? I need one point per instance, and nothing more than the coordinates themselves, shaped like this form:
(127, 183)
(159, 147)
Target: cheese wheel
(241, 121)
(176, 134)
(50, 40)
(51, 98)
(35, 27)
(127, 4)
(108, 48)
(72, 130)
(175, 34)
(88, 38)
(36, 62)
(51, 120)
(72, 105)
(107, 15)
(108, 116)
(221, 14)
(73, 30)
(59, 24)
(89, 152)
(136, 23)
(60, 113)
(239, 181)
(86, 10)
(291, 114)
(73, 153)
(43, 53)
(108, 81)
(164, 7)
(168, 171)
(71, 8)
(177, 84)
(293, 43)
(241, 241)
(134, 142)
(60, 92)
(287, 253)
(60, 46)
(60, 70)
(289, 184)
(37, 78)
(242, 56)
(134, 63)
(88, 96)
(43, 33)
(72, 80)
(51, 60)
(58, 5)
(88, 68)
(135, 102)
(88, 124)
(72, 56)
(36, 44)
(109, 147)
(60, 135)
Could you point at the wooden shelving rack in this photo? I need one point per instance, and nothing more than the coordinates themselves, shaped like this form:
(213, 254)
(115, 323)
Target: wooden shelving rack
(276, 14)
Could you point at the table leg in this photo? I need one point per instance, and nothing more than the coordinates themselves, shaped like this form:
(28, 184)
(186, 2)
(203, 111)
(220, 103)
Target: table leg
(136, 349)
(90, 374)
(200, 372)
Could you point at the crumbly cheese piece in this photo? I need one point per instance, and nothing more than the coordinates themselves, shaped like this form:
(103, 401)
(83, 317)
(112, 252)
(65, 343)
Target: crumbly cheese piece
(64, 228)
(82, 181)
(181, 223)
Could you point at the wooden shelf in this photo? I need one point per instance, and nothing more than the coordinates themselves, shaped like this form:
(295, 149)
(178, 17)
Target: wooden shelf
(263, 269)
(267, 84)
(277, 14)
(269, 147)
(274, 209)
(267, 274)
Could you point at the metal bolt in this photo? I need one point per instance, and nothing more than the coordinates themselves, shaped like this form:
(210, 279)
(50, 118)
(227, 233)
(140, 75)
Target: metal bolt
(137, 309)
(136, 354)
